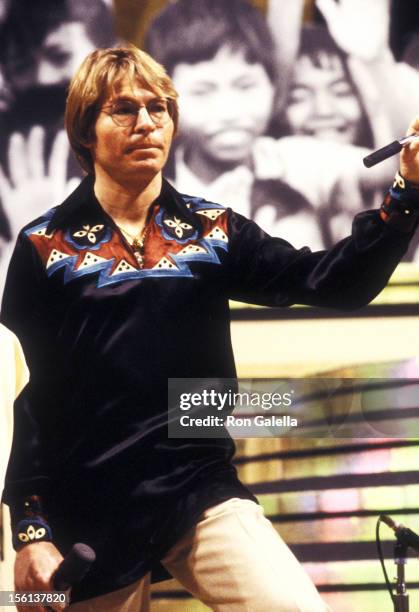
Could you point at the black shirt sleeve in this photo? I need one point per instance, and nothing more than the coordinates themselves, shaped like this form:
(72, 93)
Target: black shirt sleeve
(271, 272)
(24, 310)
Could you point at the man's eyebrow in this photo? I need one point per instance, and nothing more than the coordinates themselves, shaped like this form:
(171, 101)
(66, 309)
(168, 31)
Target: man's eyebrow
(128, 98)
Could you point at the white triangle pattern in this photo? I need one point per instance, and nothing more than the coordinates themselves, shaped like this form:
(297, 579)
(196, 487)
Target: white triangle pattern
(90, 259)
(192, 249)
(212, 213)
(43, 232)
(122, 267)
(217, 234)
(55, 256)
(165, 264)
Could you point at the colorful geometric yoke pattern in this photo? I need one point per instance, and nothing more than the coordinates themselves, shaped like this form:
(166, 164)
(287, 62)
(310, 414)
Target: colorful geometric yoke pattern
(171, 245)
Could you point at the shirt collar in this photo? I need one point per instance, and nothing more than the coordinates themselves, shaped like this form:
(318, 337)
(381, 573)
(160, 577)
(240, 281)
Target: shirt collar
(83, 198)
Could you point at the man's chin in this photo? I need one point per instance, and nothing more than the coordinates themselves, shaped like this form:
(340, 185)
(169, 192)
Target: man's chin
(138, 172)
(140, 162)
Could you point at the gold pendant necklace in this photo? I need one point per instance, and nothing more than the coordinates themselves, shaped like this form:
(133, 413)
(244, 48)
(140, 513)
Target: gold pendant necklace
(137, 243)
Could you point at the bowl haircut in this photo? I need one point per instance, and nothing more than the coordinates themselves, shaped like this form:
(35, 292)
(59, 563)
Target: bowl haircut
(97, 80)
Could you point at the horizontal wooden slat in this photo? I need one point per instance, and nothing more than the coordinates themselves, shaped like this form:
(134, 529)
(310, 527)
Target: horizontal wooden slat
(377, 460)
(320, 448)
(305, 517)
(351, 529)
(390, 497)
(340, 481)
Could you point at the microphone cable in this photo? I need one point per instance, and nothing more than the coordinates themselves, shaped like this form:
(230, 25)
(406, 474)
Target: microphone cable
(381, 556)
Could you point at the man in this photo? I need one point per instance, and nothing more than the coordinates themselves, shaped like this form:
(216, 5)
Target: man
(125, 285)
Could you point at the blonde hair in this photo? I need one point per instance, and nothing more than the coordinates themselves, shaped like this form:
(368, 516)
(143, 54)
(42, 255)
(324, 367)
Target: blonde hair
(97, 79)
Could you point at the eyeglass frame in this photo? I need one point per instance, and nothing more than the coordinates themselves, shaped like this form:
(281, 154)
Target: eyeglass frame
(133, 119)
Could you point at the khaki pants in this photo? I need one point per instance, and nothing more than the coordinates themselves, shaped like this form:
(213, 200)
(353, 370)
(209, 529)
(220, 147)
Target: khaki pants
(233, 560)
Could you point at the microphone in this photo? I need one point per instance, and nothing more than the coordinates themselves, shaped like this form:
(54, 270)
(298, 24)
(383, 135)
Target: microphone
(404, 535)
(73, 567)
(388, 150)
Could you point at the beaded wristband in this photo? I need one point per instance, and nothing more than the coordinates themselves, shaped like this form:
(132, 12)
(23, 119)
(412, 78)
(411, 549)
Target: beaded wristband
(404, 187)
(400, 208)
(31, 530)
(31, 526)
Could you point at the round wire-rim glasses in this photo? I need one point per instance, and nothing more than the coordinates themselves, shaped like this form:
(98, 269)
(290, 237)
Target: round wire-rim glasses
(124, 113)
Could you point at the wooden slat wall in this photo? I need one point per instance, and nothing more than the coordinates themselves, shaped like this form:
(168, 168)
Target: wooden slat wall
(324, 496)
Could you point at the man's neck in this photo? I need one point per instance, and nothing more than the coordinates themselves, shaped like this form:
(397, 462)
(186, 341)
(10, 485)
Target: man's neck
(126, 202)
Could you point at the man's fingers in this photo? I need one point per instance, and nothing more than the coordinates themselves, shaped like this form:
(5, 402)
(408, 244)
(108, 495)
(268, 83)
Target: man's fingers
(35, 565)
(32, 608)
(409, 155)
(413, 147)
(414, 126)
(35, 152)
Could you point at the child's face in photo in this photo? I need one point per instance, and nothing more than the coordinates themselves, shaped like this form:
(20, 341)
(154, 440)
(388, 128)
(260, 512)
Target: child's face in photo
(322, 102)
(225, 104)
(62, 52)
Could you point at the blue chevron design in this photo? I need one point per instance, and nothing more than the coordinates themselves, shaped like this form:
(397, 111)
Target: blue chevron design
(138, 274)
(46, 218)
(68, 264)
(104, 267)
(200, 203)
(210, 256)
(70, 273)
(36, 228)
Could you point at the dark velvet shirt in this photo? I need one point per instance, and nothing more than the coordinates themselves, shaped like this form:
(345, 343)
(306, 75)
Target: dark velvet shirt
(103, 335)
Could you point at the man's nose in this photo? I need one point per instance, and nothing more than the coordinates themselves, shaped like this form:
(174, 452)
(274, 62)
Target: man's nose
(144, 122)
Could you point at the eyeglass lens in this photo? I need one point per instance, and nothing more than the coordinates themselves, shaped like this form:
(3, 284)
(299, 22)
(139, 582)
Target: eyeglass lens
(125, 112)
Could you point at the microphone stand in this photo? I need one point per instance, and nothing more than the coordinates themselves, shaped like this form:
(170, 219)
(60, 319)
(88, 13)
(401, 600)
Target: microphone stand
(401, 598)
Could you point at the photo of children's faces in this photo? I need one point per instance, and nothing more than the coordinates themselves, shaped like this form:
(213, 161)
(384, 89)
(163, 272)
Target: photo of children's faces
(42, 45)
(279, 103)
(277, 111)
(323, 101)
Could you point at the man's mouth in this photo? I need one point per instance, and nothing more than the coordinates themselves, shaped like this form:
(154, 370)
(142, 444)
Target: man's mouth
(142, 147)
